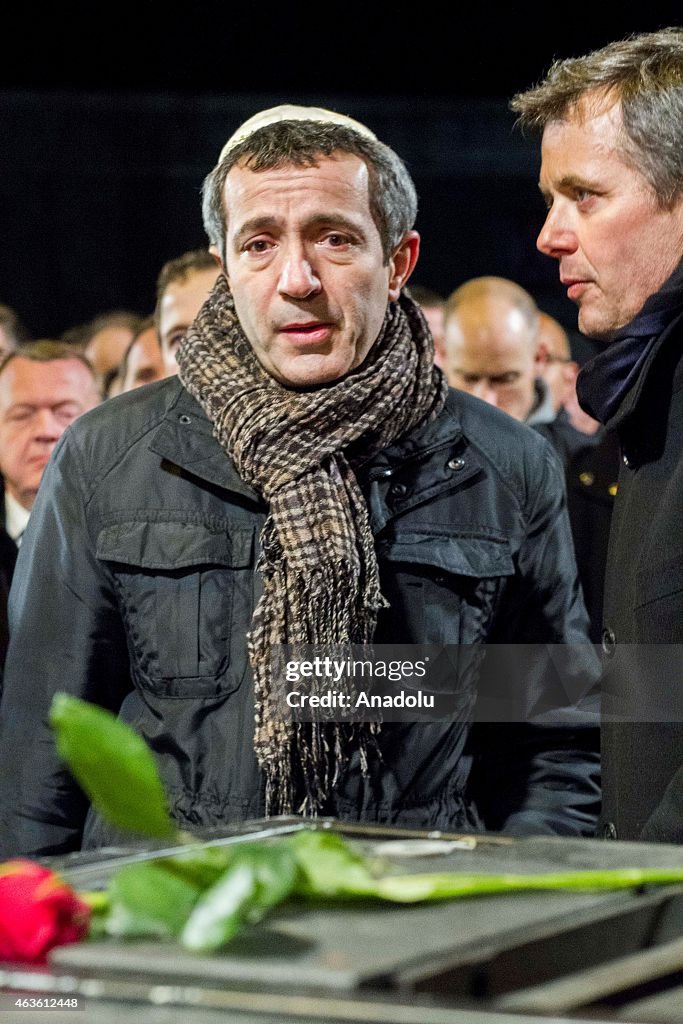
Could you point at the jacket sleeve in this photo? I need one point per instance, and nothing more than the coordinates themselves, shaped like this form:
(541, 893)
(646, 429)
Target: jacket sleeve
(539, 771)
(65, 635)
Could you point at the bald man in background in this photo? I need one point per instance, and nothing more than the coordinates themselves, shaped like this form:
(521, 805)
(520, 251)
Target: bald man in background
(499, 347)
(494, 351)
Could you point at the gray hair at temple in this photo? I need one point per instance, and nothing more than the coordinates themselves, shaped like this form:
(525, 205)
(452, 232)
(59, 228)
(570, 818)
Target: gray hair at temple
(301, 139)
(645, 74)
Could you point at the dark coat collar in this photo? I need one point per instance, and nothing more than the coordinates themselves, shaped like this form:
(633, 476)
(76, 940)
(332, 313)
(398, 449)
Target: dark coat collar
(185, 438)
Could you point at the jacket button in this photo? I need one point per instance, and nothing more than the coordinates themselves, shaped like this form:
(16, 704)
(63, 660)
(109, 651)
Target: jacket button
(609, 831)
(456, 463)
(625, 459)
(609, 642)
(398, 490)
(184, 419)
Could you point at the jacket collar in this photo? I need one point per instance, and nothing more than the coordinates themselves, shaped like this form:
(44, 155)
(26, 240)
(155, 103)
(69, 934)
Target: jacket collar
(185, 438)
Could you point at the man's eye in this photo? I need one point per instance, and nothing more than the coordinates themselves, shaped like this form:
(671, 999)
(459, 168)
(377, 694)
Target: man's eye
(258, 245)
(336, 240)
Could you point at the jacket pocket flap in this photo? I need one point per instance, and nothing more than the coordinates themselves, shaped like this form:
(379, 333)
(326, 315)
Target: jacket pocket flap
(174, 545)
(462, 556)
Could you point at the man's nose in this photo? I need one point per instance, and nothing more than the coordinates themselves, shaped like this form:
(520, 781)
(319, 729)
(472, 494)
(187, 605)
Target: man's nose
(556, 237)
(298, 278)
(47, 426)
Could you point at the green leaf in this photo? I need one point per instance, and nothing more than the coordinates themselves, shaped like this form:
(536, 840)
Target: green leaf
(149, 899)
(330, 867)
(221, 911)
(113, 765)
(448, 885)
(260, 876)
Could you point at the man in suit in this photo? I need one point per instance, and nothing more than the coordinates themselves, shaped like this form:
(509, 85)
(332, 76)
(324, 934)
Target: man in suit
(44, 386)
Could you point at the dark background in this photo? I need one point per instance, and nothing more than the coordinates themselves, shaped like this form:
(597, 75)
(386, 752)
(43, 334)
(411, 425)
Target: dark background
(110, 119)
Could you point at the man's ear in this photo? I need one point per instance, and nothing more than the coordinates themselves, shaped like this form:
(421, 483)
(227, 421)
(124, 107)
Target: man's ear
(213, 249)
(402, 263)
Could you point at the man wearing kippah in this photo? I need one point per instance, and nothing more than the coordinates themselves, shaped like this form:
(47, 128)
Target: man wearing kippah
(307, 479)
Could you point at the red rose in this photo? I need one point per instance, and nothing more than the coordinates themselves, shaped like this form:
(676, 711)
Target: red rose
(37, 911)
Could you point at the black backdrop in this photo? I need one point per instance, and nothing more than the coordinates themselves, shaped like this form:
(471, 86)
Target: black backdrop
(109, 122)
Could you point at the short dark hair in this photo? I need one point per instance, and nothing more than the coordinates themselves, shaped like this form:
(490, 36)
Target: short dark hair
(645, 74)
(79, 335)
(179, 269)
(393, 200)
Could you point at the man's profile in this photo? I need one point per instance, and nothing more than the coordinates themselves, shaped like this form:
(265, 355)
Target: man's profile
(612, 179)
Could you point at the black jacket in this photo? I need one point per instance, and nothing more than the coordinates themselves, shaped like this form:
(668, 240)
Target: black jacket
(643, 757)
(8, 558)
(135, 587)
(591, 464)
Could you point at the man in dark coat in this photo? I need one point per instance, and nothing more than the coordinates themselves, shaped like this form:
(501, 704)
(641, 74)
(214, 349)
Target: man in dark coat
(306, 479)
(612, 177)
(44, 385)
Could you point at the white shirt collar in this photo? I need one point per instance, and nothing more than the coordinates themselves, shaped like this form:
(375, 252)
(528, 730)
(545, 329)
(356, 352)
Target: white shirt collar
(16, 516)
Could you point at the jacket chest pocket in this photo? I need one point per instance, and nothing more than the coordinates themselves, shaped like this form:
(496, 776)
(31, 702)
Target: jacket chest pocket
(185, 591)
(442, 589)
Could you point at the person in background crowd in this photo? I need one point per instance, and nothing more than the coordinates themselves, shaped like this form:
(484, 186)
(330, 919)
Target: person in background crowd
(12, 331)
(432, 305)
(103, 341)
(496, 350)
(183, 286)
(307, 477)
(44, 386)
(612, 179)
(560, 370)
(142, 361)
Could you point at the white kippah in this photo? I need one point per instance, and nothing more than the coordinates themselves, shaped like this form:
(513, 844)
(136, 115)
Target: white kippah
(288, 112)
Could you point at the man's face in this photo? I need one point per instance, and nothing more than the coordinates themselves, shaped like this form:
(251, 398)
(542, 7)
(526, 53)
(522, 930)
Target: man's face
(106, 349)
(144, 364)
(179, 305)
(614, 244)
(305, 266)
(37, 403)
(491, 354)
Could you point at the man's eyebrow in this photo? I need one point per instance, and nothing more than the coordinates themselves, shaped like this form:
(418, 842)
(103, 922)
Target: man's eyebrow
(568, 182)
(20, 406)
(256, 224)
(329, 218)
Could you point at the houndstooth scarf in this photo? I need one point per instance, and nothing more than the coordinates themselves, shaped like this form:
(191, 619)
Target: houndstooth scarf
(321, 580)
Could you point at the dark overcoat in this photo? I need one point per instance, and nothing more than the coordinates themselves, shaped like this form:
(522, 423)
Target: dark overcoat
(642, 735)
